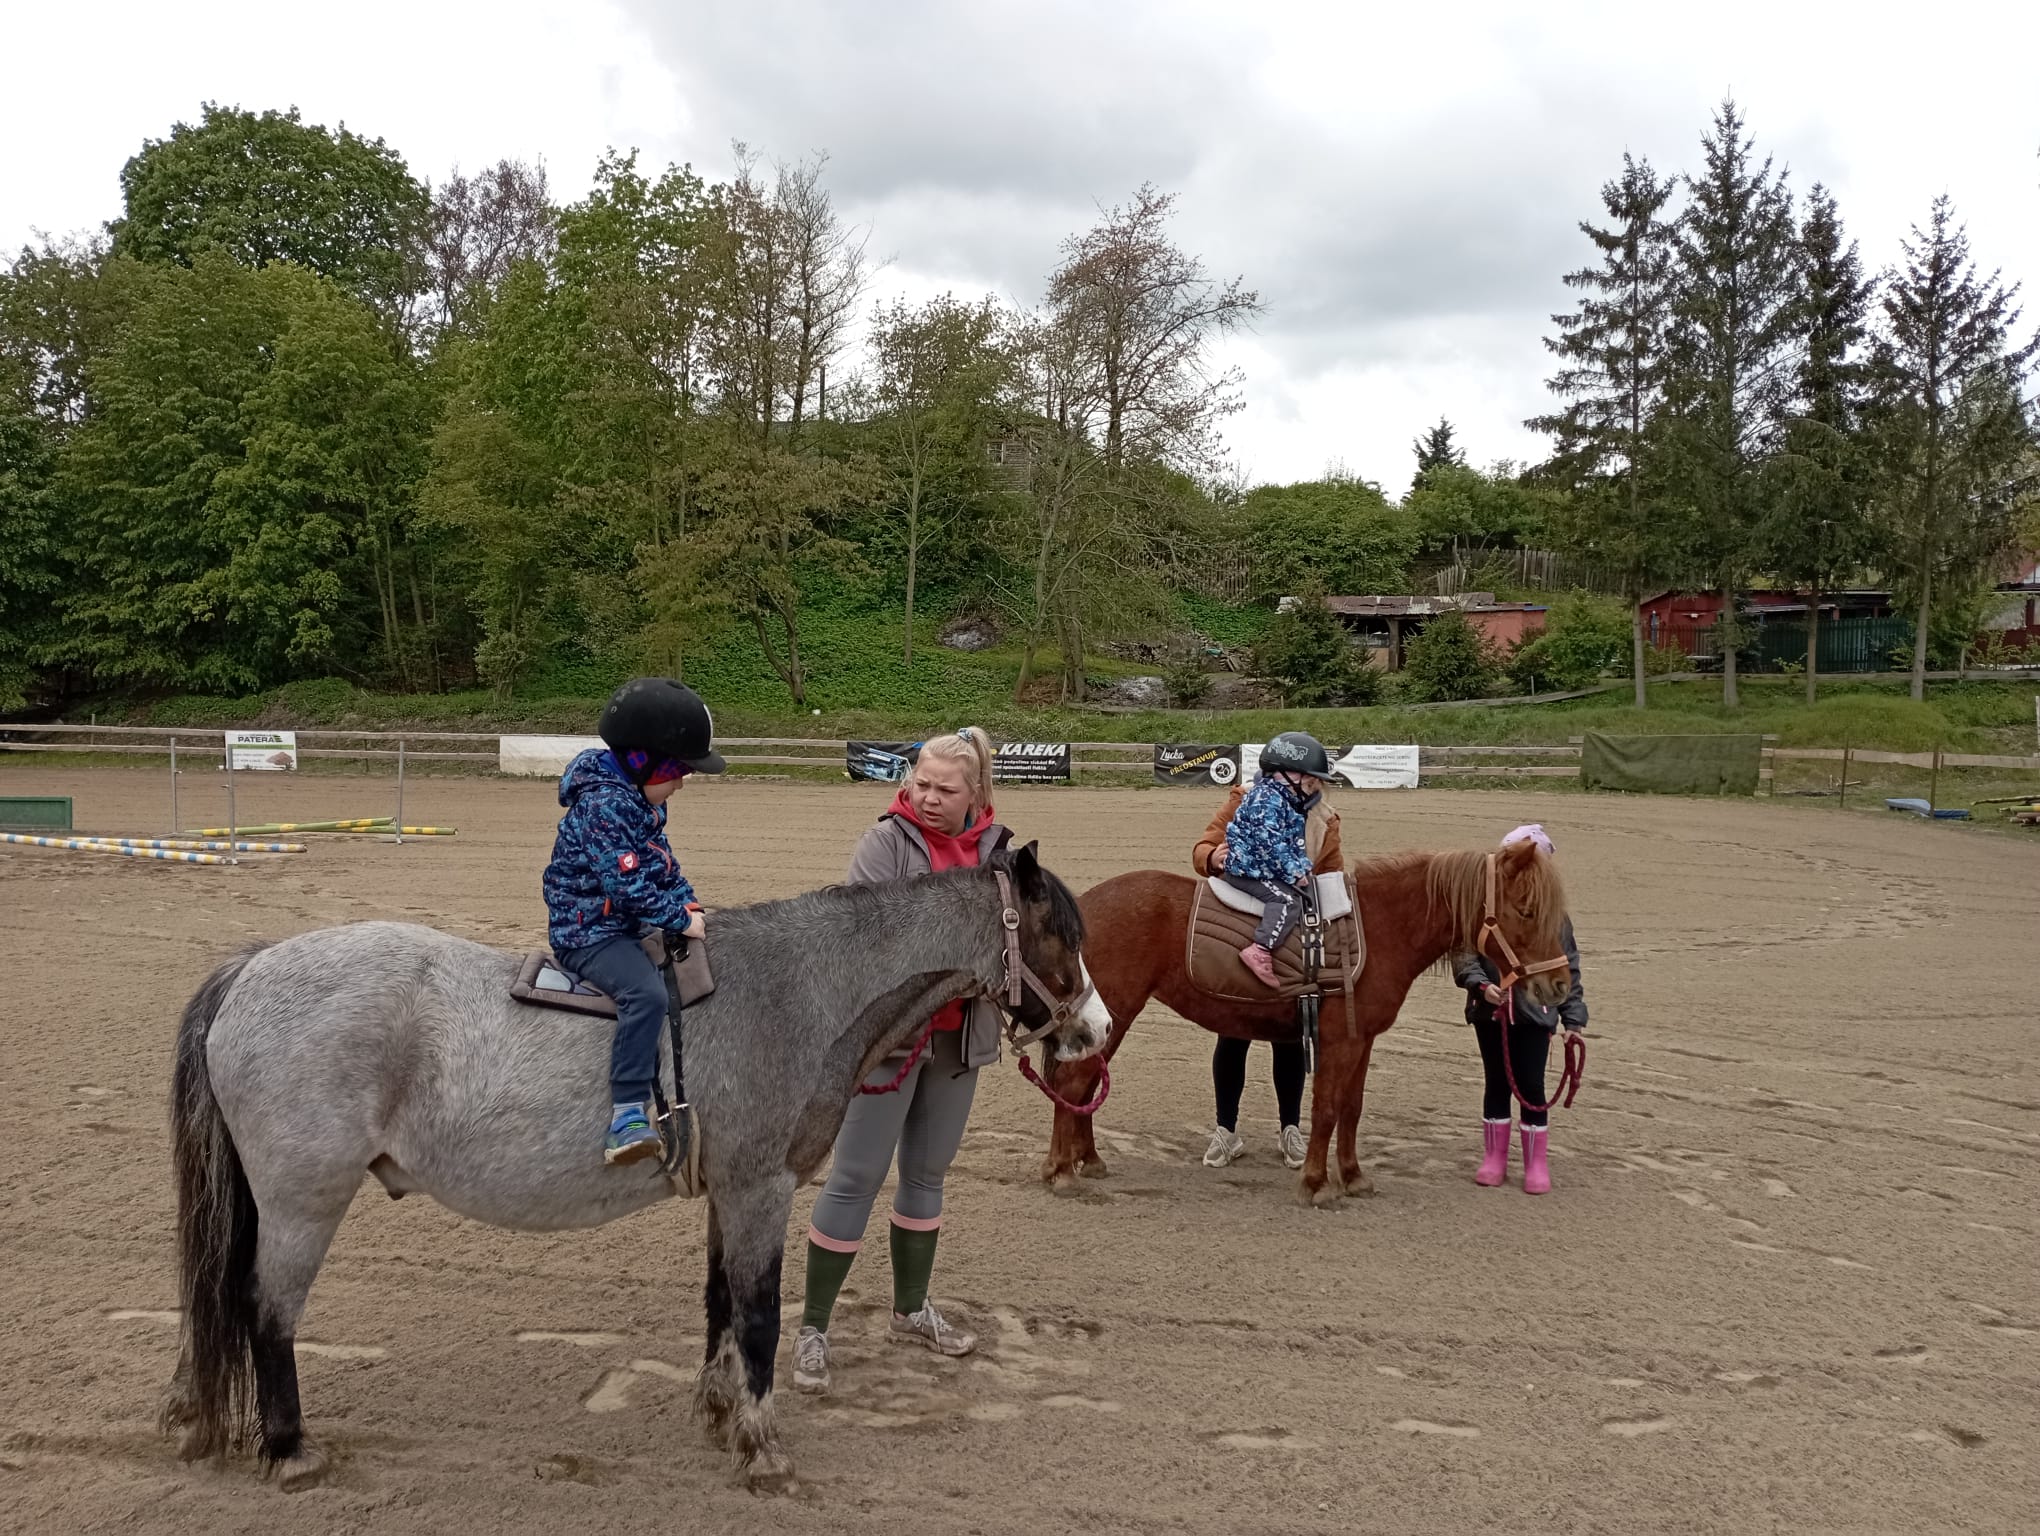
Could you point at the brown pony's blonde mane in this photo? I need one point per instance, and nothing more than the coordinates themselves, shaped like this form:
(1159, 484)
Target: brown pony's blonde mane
(1456, 880)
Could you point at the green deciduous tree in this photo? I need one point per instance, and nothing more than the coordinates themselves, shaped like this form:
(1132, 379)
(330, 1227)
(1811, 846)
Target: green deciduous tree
(1341, 533)
(50, 319)
(1468, 510)
(767, 524)
(1612, 377)
(237, 484)
(268, 187)
(940, 372)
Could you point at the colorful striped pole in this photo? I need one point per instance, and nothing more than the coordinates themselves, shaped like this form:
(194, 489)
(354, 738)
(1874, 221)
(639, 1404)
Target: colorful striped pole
(276, 828)
(87, 845)
(195, 846)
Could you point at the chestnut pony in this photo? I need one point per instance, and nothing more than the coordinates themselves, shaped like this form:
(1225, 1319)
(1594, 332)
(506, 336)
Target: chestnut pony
(1418, 909)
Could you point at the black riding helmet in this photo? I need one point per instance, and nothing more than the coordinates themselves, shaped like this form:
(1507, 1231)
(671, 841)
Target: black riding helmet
(662, 719)
(1296, 752)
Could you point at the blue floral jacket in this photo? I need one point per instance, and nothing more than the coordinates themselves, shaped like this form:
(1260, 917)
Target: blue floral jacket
(613, 874)
(1266, 838)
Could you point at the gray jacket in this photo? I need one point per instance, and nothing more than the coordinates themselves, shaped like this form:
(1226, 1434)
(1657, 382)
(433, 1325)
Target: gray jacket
(894, 849)
(1476, 971)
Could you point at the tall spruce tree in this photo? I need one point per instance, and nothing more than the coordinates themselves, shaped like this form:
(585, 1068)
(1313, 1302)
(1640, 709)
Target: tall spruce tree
(1612, 376)
(1435, 450)
(1956, 442)
(1817, 531)
(1733, 350)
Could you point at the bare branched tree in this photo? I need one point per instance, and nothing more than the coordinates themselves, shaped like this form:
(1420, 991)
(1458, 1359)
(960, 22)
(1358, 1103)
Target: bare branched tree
(476, 227)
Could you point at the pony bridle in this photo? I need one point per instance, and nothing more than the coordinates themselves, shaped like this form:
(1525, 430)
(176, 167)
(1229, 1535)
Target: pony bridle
(1514, 970)
(1019, 979)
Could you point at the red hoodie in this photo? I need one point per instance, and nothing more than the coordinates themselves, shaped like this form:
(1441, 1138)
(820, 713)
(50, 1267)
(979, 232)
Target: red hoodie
(946, 852)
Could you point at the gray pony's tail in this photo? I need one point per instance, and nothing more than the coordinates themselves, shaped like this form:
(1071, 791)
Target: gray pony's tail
(215, 1233)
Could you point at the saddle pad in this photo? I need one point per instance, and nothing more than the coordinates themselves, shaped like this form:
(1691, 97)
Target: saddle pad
(541, 981)
(1218, 933)
(1334, 896)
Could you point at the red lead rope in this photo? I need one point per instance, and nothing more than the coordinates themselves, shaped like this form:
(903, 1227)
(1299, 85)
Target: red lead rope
(1104, 1086)
(920, 1048)
(1570, 1076)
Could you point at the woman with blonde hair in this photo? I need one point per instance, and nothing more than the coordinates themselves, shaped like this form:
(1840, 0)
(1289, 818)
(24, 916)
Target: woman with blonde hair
(941, 819)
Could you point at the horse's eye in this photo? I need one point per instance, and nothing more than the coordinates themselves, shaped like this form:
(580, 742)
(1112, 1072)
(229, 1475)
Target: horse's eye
(1526, 913)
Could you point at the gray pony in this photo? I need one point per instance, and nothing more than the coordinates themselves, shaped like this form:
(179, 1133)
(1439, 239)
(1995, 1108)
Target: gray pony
(395, 1050)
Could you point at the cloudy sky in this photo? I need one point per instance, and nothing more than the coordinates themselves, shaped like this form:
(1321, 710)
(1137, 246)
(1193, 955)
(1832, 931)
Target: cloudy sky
(1402, 189)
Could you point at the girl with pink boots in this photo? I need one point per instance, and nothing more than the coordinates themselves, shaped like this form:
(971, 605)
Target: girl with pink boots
(1527, 1039)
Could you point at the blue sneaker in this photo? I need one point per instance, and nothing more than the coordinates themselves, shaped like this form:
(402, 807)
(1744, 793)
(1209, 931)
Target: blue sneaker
(632, 1137)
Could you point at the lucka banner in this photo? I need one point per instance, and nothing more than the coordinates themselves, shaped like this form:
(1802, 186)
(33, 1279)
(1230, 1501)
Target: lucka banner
(262, 751)
(1032, 762)
(1198, 766)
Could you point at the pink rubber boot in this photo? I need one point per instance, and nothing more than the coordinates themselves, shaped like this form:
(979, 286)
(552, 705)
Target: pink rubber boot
(1494, 1167)
(1262, 964)
(1536, 1173)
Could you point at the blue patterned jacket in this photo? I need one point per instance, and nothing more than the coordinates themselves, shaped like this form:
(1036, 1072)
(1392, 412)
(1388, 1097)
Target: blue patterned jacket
(1265, 840)
(613, 874)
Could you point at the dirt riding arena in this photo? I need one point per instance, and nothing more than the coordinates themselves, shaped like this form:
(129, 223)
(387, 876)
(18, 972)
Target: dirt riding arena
(1789, 1278)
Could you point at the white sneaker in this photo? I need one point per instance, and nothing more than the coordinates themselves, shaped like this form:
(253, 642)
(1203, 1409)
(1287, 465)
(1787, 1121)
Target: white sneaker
(1226, 1147)
(811, 1360)
(1293, 1146)
(931, 1330)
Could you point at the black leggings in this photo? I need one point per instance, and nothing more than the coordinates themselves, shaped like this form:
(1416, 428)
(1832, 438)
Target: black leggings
(1229, 1080)
(1528, 1046)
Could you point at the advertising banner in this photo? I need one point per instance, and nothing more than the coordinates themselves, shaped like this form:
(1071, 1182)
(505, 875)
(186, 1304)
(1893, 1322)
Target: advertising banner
(541, 756)
(261, 751)
(883, 762)
(1198, 766)
(1384, 767)
(1032, 762)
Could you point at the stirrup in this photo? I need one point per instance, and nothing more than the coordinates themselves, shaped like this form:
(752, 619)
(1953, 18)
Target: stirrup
(681, 1138)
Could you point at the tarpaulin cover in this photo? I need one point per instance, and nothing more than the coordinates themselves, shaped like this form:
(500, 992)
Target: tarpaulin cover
(1672, 765)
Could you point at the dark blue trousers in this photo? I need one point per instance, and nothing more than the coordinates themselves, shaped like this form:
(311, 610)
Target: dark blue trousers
(621, 968)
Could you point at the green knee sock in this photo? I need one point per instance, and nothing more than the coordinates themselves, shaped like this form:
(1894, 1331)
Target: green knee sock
(826, 1271)
(913, 1261)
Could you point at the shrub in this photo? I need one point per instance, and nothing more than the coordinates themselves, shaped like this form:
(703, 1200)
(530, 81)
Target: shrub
(1450, 659)
(1583, 637)
(1185, 678)
(1307, 654)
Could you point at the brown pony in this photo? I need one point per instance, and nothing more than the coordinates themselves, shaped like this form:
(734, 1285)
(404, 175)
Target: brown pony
(1418, 908)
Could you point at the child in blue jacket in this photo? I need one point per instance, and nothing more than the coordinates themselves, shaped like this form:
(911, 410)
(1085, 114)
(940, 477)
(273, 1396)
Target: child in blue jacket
(1267, 849)
(613, 879)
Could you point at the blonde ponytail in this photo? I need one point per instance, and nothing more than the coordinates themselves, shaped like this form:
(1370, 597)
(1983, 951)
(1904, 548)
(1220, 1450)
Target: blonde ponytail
(967, 744)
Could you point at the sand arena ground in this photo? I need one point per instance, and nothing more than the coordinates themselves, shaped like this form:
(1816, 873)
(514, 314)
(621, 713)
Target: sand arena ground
(1789, 1278)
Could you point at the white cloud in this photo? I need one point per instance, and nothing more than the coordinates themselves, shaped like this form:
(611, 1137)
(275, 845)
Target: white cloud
(1401, 185)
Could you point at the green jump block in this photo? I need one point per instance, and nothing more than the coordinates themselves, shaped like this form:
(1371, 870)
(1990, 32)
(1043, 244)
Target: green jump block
(35, 813)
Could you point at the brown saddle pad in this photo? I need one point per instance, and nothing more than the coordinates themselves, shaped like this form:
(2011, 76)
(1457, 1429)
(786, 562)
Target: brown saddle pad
(1218, 933)
(545, 983)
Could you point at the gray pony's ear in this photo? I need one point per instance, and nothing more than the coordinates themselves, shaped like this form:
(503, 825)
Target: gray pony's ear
(1027, 866)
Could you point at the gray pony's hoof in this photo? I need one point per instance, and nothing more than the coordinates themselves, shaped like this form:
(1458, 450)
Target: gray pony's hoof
(307, 1469)
(767, 1470)
(714, 1402)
